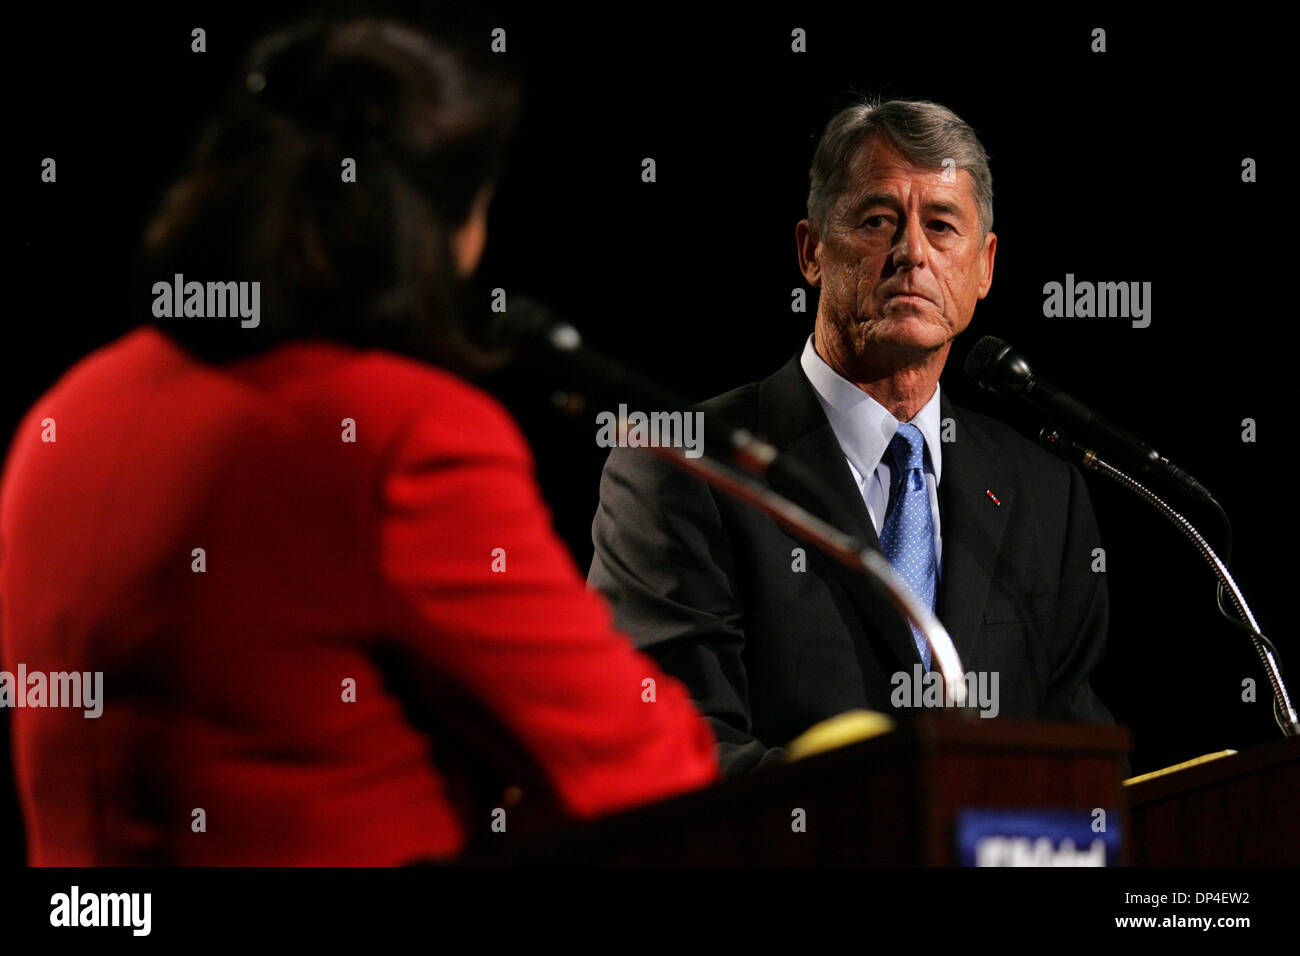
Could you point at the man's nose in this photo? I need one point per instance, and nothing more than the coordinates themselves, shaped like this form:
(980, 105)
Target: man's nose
(909, 244)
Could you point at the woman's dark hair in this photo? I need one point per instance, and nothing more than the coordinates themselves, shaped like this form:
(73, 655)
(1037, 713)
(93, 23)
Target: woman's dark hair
(366, 262)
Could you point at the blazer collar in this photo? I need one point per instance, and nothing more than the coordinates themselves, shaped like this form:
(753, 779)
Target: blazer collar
(790, 417)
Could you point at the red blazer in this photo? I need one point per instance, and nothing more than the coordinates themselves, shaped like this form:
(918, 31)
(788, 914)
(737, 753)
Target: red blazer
(416, 564)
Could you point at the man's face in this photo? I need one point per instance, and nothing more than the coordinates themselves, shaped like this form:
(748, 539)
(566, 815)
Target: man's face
(902, 263)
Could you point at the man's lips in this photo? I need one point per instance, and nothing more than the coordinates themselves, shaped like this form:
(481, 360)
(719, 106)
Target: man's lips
(920, 297)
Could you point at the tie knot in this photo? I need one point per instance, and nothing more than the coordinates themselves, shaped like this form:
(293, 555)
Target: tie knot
(908, 448)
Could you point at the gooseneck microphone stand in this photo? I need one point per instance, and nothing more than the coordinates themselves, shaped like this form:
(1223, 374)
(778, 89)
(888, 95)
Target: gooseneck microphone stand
(1283, 711)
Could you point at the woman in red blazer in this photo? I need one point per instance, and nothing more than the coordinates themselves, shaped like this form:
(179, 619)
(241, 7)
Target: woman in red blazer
(308, 558)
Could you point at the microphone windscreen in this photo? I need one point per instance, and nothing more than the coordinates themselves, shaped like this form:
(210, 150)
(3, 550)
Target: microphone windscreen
(983, 357)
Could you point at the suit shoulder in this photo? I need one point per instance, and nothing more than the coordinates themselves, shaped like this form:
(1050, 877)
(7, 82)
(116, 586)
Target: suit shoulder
(740, 405)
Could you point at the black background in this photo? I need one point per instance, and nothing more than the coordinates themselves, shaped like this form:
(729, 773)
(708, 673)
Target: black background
(1119, 166)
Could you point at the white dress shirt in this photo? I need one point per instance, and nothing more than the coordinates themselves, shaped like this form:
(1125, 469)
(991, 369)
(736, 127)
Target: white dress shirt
(864, 429)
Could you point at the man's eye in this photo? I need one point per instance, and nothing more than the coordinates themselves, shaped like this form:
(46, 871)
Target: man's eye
(941, 225)
(874, 222)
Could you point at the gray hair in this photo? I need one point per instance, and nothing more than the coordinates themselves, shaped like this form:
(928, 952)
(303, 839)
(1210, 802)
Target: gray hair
(924, 133)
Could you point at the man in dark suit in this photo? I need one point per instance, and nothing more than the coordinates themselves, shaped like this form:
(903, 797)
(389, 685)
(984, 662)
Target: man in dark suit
(992, 532)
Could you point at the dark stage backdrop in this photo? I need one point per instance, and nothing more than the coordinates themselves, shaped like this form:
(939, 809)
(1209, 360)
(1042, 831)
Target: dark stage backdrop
(1117, 166)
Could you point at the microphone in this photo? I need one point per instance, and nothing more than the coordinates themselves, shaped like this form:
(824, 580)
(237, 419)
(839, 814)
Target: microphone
(1001, 368)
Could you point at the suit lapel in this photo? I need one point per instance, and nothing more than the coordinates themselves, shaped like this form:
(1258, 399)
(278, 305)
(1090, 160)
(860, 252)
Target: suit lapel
(972, 525)
(792, 419)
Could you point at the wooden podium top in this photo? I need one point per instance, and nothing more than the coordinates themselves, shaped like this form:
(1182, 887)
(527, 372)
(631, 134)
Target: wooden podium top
(1231, 811)
(1261, 757)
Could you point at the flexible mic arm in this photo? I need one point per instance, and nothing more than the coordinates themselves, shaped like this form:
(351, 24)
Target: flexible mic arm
(1283, 711)
(530, 322)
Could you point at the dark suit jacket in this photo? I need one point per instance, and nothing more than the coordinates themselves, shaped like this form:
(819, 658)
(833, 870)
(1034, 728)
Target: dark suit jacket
(708, 586)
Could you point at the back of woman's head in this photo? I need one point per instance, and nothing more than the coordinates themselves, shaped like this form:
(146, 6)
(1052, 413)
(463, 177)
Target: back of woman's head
(335, 175)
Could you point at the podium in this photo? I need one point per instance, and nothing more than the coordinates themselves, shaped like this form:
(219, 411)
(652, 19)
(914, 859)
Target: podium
(889, 800)
(1234, 810)
(907, 797)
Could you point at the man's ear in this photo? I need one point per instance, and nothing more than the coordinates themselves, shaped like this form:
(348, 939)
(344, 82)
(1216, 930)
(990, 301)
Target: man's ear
(805, 234)
(987, 254)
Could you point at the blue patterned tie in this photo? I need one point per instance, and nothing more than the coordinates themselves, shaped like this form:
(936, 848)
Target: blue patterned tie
(907, 537)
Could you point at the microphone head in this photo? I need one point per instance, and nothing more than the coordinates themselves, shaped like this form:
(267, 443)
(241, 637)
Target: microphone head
(998, 366)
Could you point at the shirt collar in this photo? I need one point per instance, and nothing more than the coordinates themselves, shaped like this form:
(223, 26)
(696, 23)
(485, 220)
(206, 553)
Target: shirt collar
(864, 427)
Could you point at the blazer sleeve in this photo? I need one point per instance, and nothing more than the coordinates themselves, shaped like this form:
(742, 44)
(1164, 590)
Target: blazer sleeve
(495, 606)
(663, 560)
(1081, 617)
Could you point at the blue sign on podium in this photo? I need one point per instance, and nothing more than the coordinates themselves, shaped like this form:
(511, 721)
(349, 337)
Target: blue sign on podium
(1037, 837)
